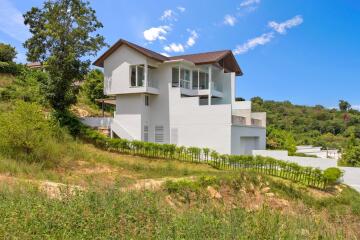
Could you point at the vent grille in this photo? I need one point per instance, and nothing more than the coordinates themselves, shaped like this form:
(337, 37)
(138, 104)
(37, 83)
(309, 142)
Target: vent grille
(159, 134)
(146, 133)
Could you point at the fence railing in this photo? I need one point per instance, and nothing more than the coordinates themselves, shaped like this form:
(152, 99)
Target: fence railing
(306, 175)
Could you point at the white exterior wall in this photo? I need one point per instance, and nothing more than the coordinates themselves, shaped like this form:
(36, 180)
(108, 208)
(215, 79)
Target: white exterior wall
(201, 126)
(117, 70)
(129, 109)
(239, 134)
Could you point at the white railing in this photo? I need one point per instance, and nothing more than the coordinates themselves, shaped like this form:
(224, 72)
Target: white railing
(185, 84)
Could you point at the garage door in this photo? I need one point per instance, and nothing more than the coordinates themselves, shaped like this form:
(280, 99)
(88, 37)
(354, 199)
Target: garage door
(247, 144)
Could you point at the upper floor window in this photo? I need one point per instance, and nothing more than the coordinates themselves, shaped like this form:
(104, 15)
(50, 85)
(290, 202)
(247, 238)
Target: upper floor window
(184, 78)
(203, 80)
(175, 77)
(137, 75)
(180, 77)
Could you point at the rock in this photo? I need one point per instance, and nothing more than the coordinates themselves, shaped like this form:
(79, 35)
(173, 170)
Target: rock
(169, 201)
(213, 193)
(269, 194)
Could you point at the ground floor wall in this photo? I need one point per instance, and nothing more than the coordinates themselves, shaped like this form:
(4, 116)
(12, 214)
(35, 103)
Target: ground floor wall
(245, 139)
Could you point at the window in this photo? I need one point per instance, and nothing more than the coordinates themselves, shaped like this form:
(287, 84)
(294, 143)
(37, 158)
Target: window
(185, 78)
(203, 80)
(146, 100)
(146, 133)
(159, 134)
(137, 75)
(175, 77)
(195, 79)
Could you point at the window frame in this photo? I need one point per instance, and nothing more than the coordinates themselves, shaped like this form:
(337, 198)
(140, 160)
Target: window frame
(137, 66)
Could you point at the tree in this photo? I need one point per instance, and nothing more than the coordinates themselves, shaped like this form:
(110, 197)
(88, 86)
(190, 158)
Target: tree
(94, 85)
(257, 100)
(7, 53)
(281, 139)
(344, 106)
(63, 33)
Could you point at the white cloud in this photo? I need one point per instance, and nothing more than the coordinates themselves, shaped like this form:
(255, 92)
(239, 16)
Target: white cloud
(229, 20)
(181, 9)
(165, 54)
(12, 21)
(252, 43)
(174, 47)
(282, 27)
(156, 33)
(168, 15)
(248, 3)
(356, 107)
(192, 39)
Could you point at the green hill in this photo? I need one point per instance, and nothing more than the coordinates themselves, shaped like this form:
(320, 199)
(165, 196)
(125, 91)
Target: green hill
(314, 125)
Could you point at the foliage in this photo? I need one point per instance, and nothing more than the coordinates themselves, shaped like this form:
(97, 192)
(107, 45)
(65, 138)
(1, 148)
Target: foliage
(344, 105)
(7, 53)
(26, 135)
(316, 125)
(62, 35)
(280, 139)
(351, 156)
(332, 175)
(10, 67)
(26, 87)
(94, 85)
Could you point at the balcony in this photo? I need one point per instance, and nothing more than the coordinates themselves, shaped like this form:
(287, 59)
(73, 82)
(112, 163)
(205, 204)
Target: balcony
(189, 89)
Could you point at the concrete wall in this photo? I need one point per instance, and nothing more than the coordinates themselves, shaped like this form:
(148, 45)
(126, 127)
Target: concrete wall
(201, 126)
(97, 121)
(351, 174)
(322, 163)
(240, 136)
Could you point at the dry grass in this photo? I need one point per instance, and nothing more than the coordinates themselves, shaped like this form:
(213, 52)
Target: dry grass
(6, 79)
(91, 166)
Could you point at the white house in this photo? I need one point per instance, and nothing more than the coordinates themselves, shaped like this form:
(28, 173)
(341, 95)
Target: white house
(186, 100)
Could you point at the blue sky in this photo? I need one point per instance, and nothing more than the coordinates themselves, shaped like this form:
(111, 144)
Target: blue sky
(304, 51)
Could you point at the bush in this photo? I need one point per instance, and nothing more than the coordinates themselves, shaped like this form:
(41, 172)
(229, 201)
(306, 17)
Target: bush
(281, 139)
(351, 156)
(332, 175)
(94, 85)
(10, 67)
(26, 135)
(26, 87)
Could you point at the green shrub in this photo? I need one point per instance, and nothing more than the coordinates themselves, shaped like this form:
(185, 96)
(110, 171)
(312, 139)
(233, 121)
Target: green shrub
(26, 87)
(332, 175)
(94, 85)
(10, 67)
(351, 156)
(281, 139)
(25, 134)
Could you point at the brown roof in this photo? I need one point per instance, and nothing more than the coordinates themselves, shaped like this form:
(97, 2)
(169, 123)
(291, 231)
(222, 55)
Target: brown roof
(151, 54)
(34, 65)
(224, 58)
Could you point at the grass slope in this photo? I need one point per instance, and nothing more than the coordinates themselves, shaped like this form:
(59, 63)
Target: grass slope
(241, 206)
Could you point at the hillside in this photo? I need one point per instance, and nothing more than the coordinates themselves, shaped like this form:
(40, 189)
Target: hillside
(314, 125)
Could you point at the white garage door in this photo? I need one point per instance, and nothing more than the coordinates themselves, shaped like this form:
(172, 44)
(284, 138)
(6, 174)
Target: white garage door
(247, 144)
